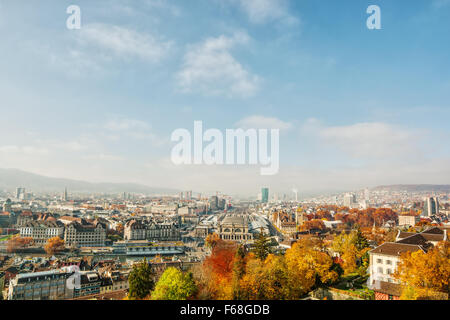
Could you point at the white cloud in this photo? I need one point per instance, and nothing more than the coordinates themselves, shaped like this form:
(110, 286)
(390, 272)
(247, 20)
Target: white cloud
(262, 11)
(95, 50)
(123, 124)
(131, 128)
(211, 69)
(102, 157)
(261, 122)
(367, 140)
(24, 150)
(125, 43)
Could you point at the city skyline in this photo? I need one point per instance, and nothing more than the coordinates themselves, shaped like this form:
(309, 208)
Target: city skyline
(355, 107)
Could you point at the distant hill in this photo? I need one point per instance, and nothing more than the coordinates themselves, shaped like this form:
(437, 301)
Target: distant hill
(416, 188)
(12, 178)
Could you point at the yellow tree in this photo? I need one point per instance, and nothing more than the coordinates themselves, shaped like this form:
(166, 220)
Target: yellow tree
(306, 265)
(425, 275)
(265, 280)
(54, 245)
(353, 248)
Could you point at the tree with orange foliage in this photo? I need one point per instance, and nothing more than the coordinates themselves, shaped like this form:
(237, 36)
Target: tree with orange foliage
(423, 224)
(379, 235)
(312, 224)
(425, 275)
(383, 215)
(324, 214)
(17, 242)
(215, 277)
(54, 245)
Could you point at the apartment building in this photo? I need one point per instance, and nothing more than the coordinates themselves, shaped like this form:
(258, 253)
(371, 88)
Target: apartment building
(89, 284)
(46, 285)
(41, 231)
(85, 234)
(136, 230)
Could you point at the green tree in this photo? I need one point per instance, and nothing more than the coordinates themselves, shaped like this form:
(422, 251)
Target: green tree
(360, 240)
(141, 281)
(353, 248)
(262, 246)
(174, 285)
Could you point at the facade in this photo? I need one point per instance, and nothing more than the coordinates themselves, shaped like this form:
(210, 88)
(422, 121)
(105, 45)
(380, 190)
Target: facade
(20, 193)
(350, 200)
(235, 228)
(185, 211)
(113, 281)
(202, 232)
(136, 230)
(85, 234)
(431, 207)
(5, 219)
(300, 218)
(90, 283)
(42, 230)
(265, 195)
(7, 205)
(163, 232)
(146, 248)
(214, 203)
(64, 196)
(24, 217)
(47, 285)
(407, 220)
(285, 222)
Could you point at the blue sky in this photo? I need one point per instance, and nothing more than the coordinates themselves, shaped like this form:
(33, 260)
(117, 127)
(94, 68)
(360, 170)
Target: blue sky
(357, 107)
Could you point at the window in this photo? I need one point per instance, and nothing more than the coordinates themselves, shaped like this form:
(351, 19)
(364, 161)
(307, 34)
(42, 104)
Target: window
(389, 262)
(379, 261)
(380, 270)
(389, 271)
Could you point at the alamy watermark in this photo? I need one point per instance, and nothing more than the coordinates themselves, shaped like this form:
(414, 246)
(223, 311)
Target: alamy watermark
(74, 281)
(73, 22)
(236, 146)
(374, 20)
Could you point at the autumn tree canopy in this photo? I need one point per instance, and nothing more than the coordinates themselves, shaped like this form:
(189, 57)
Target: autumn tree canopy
(353, 249)
(425, 275)
(54, 245)
(18, 242)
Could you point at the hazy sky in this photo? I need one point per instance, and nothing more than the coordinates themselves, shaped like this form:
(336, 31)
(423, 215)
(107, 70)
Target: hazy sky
(357, 107)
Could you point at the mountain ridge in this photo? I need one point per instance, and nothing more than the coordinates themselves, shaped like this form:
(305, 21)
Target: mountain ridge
(12, 178)
(415, 187)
